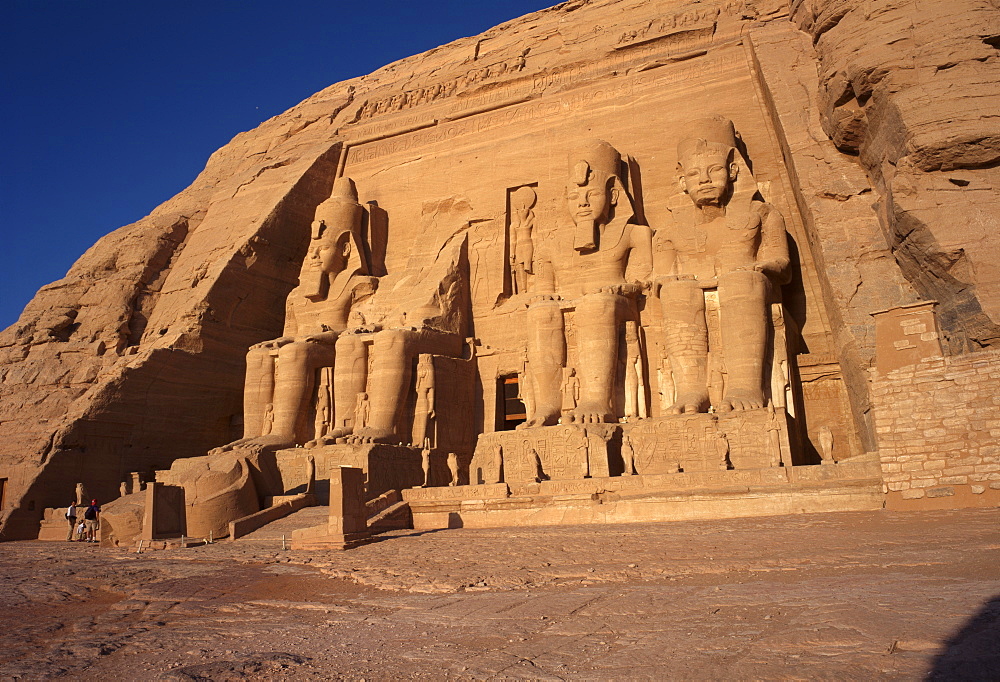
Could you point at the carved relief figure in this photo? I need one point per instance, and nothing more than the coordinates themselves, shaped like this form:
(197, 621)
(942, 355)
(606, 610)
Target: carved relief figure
(724, 237)
(722, 450)
(280, 380)
(589, 266)
(628, 456)
(423, 412)
(826, 445)
(487, 263)
(310, 474)
(571, 390)
(583, 454)
(498, 464)
(665, 385)
(635, 384)
(453, 468)
(361, 410)
(522, 254)
(268, 425)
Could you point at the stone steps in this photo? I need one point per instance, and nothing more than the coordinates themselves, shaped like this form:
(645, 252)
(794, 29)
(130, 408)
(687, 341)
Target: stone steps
(304, 518)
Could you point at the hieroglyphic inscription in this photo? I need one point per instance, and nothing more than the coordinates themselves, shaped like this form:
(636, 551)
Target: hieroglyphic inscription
(753, 439)
(545, 109)
(461, 492)
(671, 25)
(747, 438)
(435, 91)
(567, 452)
(637, 54)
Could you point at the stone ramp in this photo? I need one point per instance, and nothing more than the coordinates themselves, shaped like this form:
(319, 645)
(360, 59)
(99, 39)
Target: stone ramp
(272, 532)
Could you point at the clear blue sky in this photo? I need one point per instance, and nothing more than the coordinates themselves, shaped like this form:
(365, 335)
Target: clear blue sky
(109, 108)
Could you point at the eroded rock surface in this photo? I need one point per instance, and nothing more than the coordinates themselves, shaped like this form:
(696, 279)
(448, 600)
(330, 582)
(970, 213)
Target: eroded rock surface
(911, 89)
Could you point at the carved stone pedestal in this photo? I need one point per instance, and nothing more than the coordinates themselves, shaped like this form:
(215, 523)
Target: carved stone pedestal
(348, 523)
(386, 467)
(570, 451)
(750, 439)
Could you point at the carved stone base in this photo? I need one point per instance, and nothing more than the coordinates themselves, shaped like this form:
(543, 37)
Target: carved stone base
(320, 537)
(652, 498)
(751, 439)
(570, 451)
(387, 467)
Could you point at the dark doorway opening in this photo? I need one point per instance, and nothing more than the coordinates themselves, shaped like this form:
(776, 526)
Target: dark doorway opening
(510, 407)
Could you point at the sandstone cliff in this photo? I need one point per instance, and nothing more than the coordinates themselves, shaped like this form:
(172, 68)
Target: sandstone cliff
(912, 91)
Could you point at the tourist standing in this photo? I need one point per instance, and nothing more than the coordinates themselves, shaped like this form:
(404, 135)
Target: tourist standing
(71, 518)
(91, 519)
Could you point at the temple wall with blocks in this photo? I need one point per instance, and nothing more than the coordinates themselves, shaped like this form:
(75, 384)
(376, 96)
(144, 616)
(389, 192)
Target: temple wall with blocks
(938, 425)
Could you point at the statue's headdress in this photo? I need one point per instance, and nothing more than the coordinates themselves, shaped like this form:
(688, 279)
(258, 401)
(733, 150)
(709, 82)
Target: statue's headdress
(711, 134)
(595, 161)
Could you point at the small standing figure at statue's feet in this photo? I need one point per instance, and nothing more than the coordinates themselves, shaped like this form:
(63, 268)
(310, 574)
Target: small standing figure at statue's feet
(425, 462)
(722, 450)
(453, 468)
(826, 445)
(628, 456)
(310, 474)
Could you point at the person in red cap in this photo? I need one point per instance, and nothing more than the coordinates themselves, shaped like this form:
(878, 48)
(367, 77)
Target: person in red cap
(91, 519)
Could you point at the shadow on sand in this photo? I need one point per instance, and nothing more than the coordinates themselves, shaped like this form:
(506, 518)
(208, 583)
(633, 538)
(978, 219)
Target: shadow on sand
(972, 653)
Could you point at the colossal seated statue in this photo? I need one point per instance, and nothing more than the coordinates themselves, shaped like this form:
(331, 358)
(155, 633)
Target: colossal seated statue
(726, 246)
(420, 312)
(281, 373)
(588, 274)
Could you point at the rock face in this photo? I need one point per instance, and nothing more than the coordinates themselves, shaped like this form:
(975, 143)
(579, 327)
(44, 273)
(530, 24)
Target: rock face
(869, 130)
(913, 92)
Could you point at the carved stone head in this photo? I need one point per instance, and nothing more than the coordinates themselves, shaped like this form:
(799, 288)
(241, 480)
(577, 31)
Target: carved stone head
(593, 189)
(706, 163)
(336, 240)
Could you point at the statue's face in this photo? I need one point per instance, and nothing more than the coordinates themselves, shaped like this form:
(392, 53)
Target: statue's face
(706, 177)
(332, 258)
(588, 203)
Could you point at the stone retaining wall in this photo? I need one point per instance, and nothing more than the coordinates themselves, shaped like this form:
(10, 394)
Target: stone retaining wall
(938, 428)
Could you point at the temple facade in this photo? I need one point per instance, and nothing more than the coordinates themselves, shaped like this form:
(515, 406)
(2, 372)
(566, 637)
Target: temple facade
(591, 266)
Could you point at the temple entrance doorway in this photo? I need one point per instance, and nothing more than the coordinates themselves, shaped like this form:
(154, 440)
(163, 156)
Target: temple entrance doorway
(510, 407)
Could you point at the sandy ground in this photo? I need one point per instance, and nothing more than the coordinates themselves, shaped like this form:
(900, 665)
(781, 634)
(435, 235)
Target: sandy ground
(868, 595)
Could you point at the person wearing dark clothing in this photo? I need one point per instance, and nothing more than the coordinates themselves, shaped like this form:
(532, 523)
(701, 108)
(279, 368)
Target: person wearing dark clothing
(92, 519)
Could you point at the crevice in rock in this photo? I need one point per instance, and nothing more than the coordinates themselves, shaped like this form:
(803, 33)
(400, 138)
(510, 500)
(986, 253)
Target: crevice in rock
(964, 325)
